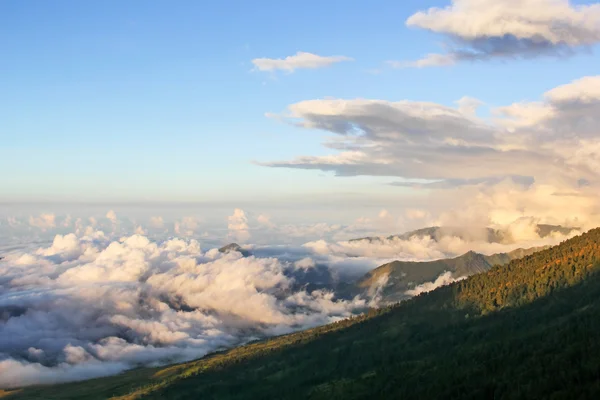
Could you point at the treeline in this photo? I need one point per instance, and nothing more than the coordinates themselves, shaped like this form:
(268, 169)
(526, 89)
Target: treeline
(534, 276)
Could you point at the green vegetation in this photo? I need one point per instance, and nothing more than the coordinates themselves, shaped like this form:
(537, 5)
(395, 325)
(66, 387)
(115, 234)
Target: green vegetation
(528, 330)
(400, 276)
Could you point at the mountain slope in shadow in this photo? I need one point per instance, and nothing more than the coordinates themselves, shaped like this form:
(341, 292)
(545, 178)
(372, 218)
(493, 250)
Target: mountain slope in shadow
(393, 282)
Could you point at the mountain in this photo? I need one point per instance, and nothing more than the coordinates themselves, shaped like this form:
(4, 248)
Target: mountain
(489, 235)
(231, 247)
(526, 330)
(390, 282)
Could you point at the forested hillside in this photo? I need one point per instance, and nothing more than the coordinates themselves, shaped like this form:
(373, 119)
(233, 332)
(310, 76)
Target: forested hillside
(393, 281)
(528, 330)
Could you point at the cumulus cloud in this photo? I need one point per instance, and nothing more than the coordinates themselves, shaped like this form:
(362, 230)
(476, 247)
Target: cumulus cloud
(157, 222)
(415, 213)
(238, 225)
(185, 227)
(85, 307)
(43, 221)
(13, 222)
(112, 216)
(300, 60)
(265, 221)
(488, 29)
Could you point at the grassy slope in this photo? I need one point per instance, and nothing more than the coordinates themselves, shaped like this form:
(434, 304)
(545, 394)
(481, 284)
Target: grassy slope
(527, 330)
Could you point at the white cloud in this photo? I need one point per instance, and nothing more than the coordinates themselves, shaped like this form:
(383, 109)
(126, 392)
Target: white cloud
(85, 307)
(581, 91)
(431, 60)
(13, 222)
(443, 280)
(157, 222)
(413, 140)
(186, 226)
(43, 221)
(300, 60)
(544, 152)
(469, 105)
(414, 213)
(238, 225)
(265, 220)
(485, 29)
(112, 216)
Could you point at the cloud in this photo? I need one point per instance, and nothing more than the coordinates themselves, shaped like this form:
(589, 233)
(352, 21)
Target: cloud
(238, 225)
(431, 60)
(453, 183)
(13, 222)
(489, 29)
(300, 60)
(84, 307)
(547, 147)
(43, 221)
(26, 373)
(415, 213)
(412, 140)
(185, 227)
(409, 250)
(443, 280)
(265, 221)
(157, 222)
(112, 216)
(580, 92)
(469, 105)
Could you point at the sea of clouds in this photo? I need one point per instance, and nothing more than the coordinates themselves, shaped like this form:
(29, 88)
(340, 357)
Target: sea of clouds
(83, 297)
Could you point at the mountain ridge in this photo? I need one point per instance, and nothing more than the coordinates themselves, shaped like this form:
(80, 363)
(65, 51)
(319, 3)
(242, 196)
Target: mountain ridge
(491, 235)
(392, 280)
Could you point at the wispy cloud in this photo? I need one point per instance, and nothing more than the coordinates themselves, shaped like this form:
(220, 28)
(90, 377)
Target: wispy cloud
(300, 60)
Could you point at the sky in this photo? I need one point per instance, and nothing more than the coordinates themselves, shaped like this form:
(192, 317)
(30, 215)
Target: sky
(144, 101)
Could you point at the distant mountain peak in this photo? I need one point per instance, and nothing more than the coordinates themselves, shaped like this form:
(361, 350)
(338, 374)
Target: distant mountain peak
(231, 247)
(397, 277)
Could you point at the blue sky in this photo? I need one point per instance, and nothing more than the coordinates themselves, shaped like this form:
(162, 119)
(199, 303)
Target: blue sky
(157, 101)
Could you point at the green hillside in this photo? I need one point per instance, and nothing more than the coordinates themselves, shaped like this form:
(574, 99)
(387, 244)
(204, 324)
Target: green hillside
(528, 330)
(393, 280)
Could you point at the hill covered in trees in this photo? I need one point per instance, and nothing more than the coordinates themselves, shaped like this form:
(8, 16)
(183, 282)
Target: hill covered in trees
(521, 331)
(393, 282)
